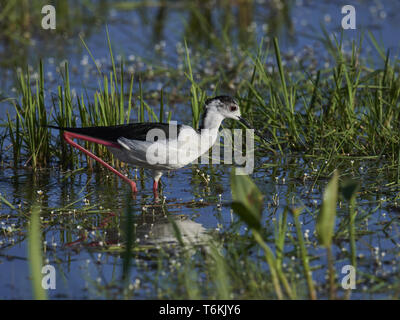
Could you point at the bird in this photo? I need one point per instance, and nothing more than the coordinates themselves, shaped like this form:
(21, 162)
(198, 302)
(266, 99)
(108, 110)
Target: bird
(158, 146)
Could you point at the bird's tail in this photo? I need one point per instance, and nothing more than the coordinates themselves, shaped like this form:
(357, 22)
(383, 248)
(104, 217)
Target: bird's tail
(91, 131)
(91, 134)
(102, 135)
(55, 127)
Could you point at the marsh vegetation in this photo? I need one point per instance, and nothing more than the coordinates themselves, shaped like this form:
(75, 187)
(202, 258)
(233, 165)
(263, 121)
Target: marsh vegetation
(324, 193)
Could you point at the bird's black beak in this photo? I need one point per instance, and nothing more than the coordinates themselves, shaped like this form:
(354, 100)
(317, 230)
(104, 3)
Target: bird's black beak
(257, 132)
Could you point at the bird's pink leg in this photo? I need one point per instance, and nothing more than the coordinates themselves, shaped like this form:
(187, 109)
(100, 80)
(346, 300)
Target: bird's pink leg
(155, 189)
(69, 135)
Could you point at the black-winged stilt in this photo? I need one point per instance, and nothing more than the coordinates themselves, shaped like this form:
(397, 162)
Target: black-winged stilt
(158, 146)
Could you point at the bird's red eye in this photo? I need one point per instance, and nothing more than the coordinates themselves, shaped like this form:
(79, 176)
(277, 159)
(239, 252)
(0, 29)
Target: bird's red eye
(232, 108)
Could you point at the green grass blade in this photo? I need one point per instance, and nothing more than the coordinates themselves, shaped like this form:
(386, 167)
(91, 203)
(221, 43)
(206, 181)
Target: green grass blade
(35, 254)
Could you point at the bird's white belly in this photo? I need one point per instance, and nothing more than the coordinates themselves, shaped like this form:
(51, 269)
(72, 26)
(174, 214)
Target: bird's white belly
(166, 154)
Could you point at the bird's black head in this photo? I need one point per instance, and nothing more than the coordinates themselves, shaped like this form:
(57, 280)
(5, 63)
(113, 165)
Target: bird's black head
(223, 105)
(228, 108)
(221, 99)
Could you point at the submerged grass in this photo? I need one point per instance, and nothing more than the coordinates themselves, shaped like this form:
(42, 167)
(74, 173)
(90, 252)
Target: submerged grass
(256, 264)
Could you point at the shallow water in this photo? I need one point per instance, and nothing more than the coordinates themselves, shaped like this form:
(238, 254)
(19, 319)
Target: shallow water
(90, 266)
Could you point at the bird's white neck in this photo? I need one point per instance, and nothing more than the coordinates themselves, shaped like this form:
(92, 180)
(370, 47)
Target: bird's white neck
(212, 119)
(209, 126)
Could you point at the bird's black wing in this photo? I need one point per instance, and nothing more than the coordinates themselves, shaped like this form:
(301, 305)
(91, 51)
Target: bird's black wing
(132, 131)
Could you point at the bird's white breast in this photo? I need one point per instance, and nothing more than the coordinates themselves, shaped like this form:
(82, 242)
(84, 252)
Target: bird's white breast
(167, 154)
